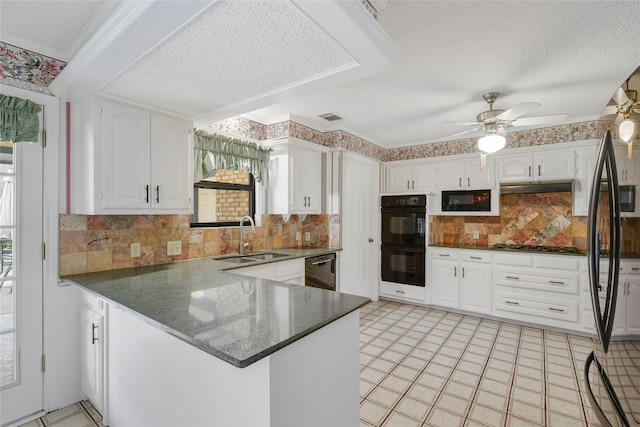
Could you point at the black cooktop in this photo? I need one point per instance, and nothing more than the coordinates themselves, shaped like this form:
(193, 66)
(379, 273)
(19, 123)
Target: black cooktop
(537, 248)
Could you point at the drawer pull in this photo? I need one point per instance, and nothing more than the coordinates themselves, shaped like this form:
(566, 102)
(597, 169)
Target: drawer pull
(512, 302)
(444, 255)
(400, 292)
(93, 333)
(512, 277)
(556, 309)
(475, 257)
(635, 268)
(555, 282)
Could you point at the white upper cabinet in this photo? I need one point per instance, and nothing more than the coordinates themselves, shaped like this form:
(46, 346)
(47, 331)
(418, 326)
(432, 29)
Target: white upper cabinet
(628, 169)
(550, 165)
(466, 175)
(295, 178)
(125, 160)
(407, 177)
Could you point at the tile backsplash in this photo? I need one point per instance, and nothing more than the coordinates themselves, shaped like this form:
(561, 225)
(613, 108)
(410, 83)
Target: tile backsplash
(102, 242)
(527, 219)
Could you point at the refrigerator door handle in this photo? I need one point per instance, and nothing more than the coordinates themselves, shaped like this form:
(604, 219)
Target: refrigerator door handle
(608, 387)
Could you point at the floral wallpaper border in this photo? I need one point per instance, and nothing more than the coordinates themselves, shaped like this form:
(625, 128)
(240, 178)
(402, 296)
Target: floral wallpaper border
(340, 139)
(26, 69)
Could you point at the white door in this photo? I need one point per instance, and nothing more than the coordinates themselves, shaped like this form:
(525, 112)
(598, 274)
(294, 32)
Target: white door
(21, 339)
(444, 277)
(360, 256)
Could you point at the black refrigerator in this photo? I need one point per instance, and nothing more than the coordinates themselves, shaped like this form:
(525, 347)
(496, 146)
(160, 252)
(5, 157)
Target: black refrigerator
(612, 369)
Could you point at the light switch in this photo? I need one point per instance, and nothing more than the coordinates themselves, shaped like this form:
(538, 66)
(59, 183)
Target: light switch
(476, 234)
(174, 248)
(307, 236)
(135, 250)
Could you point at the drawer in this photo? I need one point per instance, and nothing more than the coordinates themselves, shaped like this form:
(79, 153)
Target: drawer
(520, 260)
(476, 256)
(632, 267)
(533, 279)
(558, 262)
(444, 254)
(288, 268)
(398, 290)
(538, 306)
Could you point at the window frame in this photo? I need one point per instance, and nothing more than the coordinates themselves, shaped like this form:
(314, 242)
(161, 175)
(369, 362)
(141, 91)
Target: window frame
(216, 185)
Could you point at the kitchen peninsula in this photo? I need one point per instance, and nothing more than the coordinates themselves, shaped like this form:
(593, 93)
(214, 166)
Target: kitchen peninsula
(190, 344)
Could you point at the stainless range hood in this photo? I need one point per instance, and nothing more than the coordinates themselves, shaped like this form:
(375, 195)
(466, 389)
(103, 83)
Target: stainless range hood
(536, 187)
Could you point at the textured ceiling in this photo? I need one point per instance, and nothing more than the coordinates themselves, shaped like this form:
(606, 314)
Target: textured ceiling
(54, 28)
(568, 56)
(272, 46)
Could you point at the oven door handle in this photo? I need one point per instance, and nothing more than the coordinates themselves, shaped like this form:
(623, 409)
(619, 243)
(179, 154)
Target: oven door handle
(321, 262)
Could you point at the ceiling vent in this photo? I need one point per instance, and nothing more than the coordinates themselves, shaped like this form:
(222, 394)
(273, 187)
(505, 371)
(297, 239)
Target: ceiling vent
(330, 117)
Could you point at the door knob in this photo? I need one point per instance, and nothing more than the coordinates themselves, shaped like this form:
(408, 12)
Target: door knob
(370, 240)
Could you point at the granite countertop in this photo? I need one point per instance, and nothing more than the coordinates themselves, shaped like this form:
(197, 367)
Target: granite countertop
(625, 255)
(236, 318)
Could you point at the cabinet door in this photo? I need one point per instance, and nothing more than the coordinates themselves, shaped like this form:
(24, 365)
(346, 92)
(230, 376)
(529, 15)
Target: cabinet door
(479, 179)
(444, 277)
(515, 168)
(633, 305)
(399, 178)
(475, 287)
(125, 161)
(305, 181)
(451, 175)
(582, 186)
(91, 355)
(555, 165)
(628, 169)
(171, 178)
(424, 177)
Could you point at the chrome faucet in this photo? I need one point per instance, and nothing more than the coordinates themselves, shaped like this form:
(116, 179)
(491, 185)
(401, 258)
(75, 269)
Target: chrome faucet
(253, 228)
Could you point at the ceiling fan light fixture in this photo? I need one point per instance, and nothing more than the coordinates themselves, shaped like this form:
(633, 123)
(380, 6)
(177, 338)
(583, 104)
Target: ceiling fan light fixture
(491, 143)
(627, 129)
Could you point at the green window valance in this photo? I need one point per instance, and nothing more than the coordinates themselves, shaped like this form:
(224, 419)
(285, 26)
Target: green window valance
(18, 119)
(213, 152)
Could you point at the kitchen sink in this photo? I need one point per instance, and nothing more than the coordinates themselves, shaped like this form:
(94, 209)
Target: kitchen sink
(260, 256)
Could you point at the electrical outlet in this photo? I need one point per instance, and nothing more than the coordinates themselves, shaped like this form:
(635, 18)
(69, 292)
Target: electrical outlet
(135, 250)
(476, 234)
(307, 236)
(298, 236)
(174, 248)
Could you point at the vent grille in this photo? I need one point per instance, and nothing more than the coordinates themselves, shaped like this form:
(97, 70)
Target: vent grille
(330, 117)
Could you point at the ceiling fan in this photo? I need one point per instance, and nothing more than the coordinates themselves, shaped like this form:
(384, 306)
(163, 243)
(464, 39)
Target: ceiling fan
(625, 107)
(495, 121)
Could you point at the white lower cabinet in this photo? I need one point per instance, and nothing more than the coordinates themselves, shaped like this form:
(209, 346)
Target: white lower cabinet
(93, 314)
(461, 279)
(289, 271)
(541, 289)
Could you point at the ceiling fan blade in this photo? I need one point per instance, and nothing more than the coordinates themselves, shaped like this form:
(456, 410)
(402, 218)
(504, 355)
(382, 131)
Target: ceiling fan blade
(502, 131)
(518, 110)
(609, 110)
(619, 119)
(461, 123)
(465, 132)
(620, 97)
(539, 120)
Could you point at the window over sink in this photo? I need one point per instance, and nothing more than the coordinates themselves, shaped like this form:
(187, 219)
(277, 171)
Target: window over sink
(223, 199)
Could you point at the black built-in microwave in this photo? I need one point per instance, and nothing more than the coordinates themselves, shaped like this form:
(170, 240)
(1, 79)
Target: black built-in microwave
(466, 201)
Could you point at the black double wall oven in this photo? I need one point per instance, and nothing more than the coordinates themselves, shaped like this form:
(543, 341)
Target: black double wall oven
(404, 233)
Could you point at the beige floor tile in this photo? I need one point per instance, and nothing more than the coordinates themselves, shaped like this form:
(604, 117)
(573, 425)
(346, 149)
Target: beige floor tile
(405, 372)
(470, 367)
(492, 400)
(431, 380)
(372, 375)
(460, 390)
(382, 365)
(495, 386)
(527, 396)
(519, 422)
(365, 388)
(423, 393)
(397, 419)
(488, 416)
(373, 413)
(413, 408)
(453, 404)
(445, 360)
(525, 371)
(438, 370)
(528, 412)
(60, 414)
(397, 384)
(414, 363)
(497, 375)
(384, 397)
(441, 418)
(392, 356)
(461, 376)
(529, 384)
(564, 407)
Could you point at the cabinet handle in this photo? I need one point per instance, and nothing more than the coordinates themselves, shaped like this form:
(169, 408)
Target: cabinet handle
(93, 333)
(408, 187)
(400, 292)
(475, 257)
(556, 309)
(539, 170)
(146, 190)
(455, 271)
(555, 282)
(512, 277)
(529, 171)
(413, 184)
(463, 272)
(468, 182)
(157, 194)
(460, 182)
(444, 255)
(635, 268)
(309, 201)
(512, 302)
